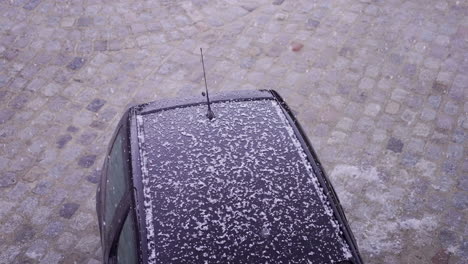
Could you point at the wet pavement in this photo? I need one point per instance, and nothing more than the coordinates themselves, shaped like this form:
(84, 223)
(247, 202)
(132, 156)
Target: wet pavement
(379, 86)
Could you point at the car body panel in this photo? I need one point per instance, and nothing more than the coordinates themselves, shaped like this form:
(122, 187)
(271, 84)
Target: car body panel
(263, 233)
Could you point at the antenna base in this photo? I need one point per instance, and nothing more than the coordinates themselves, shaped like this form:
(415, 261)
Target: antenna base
(210, 114)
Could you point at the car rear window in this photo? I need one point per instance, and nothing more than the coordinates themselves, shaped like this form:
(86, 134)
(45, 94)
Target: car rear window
(237, 189)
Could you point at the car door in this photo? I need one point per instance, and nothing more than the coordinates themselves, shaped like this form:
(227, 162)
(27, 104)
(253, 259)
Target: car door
(116, 216)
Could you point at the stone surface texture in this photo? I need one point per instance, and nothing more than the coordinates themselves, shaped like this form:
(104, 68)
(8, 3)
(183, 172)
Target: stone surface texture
(380, 88)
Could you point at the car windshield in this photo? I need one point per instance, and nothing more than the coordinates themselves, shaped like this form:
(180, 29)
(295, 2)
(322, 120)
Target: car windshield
(236, 189)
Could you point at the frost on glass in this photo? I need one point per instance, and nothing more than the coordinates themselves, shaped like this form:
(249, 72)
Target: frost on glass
(237, 189)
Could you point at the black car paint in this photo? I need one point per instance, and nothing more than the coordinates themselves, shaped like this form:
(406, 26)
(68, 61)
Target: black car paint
(133, 203)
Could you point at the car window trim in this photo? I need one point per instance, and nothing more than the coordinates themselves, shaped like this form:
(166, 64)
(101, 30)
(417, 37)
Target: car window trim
(138, 197)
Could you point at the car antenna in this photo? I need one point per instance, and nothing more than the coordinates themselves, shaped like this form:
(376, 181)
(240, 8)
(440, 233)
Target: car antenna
(210, 113)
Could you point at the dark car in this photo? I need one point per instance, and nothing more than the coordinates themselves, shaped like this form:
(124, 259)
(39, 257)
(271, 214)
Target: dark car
(242, 187)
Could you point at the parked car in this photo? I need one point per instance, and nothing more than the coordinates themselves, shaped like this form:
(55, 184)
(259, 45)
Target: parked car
(242, 187)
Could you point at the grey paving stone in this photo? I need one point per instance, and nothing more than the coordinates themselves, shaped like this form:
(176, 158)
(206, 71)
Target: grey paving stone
(408, 116)
(433, 151)
(51, 89)
(5, 115)
(84, 21)
(451, 108)
(32, 4)
(42, 188)
(414, 102)
(3, 95)
(445, 122)
(247, 63)
(96, 105)
(409, 159)
(87, 138)
(37, 250)
(458, 136)
(10, 54)
(24, 234)
(19, 101)
(365, 124)
(19, 83)
(88, 244)
(449, 167)
(34, 174)
(98, 124)
(72, 129)
(440, 87)
(66, 241)
(36, 84)
(94, 177)
(93, 261)
(68, 210)
(7, 179)
(74, 257)
(81, 221)
(100, 45)
(26, 206)
(463, 182)
(399, 95)
(53, 229)
(312, 24)
(464, 249)
(455, 152)
(86, 161)
(409, 69)
(52, 258)
(428, 114)
(447, 237)
(395, 145)
(76, 63)
(63, 140)
(278, 2)
(393, 107)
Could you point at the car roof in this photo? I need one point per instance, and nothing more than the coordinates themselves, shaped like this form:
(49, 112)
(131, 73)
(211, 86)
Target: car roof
(238, 188)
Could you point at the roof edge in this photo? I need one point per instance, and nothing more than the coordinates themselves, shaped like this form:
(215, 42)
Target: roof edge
(169, 103)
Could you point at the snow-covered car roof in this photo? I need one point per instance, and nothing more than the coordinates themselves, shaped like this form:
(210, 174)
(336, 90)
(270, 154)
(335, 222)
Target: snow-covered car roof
(240, 188)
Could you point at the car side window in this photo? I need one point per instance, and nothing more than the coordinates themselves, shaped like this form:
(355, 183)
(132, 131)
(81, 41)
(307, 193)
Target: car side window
(127, 247)
(117, 178)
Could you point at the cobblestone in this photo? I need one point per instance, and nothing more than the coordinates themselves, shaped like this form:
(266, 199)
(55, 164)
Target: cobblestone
(76, 63)
(37, 250)
(392, 107)
(96, 105)
(53, 229)
(63, 140)
(395, 145)
(380, 87)
(87, 138)
(5, 115)
(86, 161)
(7, 179)
(68, 210)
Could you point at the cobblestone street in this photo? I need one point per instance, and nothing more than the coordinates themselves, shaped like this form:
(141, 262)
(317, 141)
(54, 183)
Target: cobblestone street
(380, 86)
